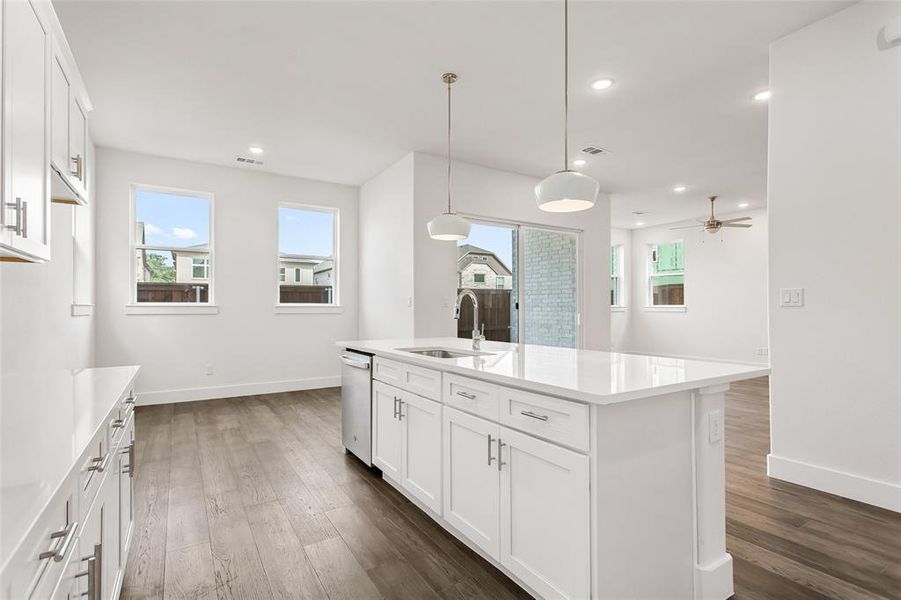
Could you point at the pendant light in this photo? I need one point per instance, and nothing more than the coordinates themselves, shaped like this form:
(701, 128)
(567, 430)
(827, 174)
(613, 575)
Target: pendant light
(566, 190)
(449, 226)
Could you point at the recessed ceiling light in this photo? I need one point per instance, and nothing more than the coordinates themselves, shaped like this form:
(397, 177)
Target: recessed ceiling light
(679, 189)
(601, 84)
(639, 224)
(580, 162)
(255, 150)
(763, 96)
(744, 205)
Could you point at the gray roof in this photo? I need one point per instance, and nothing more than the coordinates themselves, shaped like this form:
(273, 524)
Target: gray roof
(468, 254)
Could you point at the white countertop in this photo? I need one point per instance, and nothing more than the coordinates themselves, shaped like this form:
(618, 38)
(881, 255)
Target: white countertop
(585, 375)
(46, 423)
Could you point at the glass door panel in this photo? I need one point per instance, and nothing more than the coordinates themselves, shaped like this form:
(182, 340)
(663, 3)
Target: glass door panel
(486, 264)
(550, 282)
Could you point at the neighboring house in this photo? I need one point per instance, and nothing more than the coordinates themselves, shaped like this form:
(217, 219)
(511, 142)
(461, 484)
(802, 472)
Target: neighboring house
(478, 268)
(295, 269)
(192, 264)
(142, 270)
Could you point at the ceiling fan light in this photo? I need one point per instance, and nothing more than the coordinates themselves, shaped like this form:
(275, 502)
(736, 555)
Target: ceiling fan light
(566, 191)
(449, 227)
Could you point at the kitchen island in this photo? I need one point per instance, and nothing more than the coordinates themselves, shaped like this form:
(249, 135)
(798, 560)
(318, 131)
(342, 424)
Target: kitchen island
(580, 474)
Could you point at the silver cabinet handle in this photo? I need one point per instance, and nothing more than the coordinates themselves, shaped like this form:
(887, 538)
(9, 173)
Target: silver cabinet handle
(129, 400)
(24, 227)
(400, 409)
(490, 458)
(529, 413)
(17, 207)
(467, 395)
(357, 364)
(117, 423)
(79, 166)
(500, 456)
(396, 400)
(58, 553)
(100, 463)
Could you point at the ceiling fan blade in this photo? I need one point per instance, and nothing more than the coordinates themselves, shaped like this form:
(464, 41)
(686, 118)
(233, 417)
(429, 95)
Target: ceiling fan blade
(687, 227)
(746, 225)
(737, 220)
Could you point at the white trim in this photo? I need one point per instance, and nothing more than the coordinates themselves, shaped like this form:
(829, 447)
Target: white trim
(288, 309)
(619, 308)
(234, 390)
(883, 494)
(667, 308)
(82, 310)
(173, 308)
(336, 248)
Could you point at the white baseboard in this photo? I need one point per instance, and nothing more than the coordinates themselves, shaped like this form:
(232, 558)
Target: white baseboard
(883, 494)
(714, 581)
(230, 391)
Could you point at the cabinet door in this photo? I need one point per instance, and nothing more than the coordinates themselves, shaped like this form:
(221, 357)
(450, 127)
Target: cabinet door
(545, 515)
(422, 449)
(26, 115)
(59, 118)
(90, 545)
(471, 479)
(386, 430)
(78, 150)
(126, 492)
(109, 494)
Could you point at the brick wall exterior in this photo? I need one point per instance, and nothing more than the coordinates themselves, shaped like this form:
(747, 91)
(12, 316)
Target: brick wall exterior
(549, 263)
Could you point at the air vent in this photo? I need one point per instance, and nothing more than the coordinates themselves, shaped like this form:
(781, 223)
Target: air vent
(594, 150)
(248, 161)
(638, 212)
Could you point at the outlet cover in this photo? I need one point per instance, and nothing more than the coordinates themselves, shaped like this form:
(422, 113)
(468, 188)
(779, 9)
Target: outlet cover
(715, 426)
(791, 297)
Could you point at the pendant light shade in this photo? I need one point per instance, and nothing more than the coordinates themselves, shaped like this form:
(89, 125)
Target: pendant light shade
(449, 226)
(566, 190)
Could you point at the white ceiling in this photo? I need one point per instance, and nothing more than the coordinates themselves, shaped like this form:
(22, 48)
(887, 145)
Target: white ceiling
(338, 91)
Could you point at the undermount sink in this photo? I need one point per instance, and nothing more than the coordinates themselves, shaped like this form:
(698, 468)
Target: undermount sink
(442, 352)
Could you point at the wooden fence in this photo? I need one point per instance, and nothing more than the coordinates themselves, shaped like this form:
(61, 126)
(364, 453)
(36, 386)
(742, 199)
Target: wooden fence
(304, 294)
(172, 292)
(494, 312)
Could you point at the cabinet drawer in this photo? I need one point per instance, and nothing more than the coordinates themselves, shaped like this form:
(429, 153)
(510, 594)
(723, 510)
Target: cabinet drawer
(419, 380)
(561, 421)
(94, 463)
(472, 396)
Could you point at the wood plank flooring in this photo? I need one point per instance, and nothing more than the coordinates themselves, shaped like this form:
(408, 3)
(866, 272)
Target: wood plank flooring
(254, 498)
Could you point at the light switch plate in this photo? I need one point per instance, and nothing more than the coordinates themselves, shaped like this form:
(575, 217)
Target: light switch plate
(791, 297)
(715, 426)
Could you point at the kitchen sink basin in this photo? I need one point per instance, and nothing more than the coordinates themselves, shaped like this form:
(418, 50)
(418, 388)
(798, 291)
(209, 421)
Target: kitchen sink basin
(442, 352)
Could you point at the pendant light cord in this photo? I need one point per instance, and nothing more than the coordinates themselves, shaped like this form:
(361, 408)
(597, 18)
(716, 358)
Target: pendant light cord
(565, 85)
(449, 145)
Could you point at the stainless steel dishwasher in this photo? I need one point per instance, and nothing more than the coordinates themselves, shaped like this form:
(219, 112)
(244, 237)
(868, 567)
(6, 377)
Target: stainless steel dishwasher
(356, 404)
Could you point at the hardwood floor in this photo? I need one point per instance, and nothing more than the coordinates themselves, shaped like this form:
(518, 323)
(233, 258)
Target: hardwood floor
(254, 498)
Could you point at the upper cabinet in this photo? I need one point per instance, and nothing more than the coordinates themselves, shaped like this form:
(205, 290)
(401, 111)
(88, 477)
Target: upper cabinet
(43, 130)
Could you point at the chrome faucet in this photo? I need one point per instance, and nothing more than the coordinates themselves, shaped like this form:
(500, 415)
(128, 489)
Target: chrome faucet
(477, 336)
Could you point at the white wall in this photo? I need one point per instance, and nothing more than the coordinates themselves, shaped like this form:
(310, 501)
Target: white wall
(835, 225)
(252, 349)
(386, 253)
(490, 193)
(38, 331)
(725, 295)
(620, 318)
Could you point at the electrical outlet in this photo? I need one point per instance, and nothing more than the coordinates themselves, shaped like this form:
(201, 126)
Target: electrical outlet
(715, 426)
(209, 369)
(791, 297)
(763, 351)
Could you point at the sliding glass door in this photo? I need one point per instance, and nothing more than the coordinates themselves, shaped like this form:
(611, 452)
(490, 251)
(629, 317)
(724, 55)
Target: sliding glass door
(526, 280)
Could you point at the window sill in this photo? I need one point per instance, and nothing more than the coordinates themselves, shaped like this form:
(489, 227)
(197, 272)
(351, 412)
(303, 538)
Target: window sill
(302, 309)
(675, 309)
(82, 310)
(619, 308)
(171, 309)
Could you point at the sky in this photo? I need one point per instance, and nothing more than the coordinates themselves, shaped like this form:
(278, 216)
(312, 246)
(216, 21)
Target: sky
(491, 237)
(305, 232)
(173, 219)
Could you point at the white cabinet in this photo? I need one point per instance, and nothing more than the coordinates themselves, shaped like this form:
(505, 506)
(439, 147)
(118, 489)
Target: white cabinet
(545, 515)
(126, 513)
(472, 479)
(386, 430)
(26, 140)
(69, 136)
(421, 421)
(406, 442)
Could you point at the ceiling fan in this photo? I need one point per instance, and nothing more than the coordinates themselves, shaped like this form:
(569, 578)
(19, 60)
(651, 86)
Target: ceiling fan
(712, 225)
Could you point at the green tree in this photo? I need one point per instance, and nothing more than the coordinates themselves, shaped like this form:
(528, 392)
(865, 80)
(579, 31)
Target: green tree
(160, 272)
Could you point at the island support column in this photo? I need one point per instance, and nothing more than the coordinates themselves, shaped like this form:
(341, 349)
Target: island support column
(713, 565)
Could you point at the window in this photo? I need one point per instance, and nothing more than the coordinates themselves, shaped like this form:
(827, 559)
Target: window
(200, 268)
(617, 291)
(666, 274)
(172, 246)
(499, 282)
(307, 246)
(478, 278)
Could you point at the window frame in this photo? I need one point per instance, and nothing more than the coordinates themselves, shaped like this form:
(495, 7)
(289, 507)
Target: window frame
(478, 278)
(307, 307)
(649, 284)
(133, 307)
(204, 266)
(620, 275)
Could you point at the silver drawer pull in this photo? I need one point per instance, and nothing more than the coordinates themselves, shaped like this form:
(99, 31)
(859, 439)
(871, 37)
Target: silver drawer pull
(117, 423)
(129, 400)
(396, 400)
(529, 413)
(500, 454)
(490, 458)
(68, 534)
(100, 463)
(467, 395)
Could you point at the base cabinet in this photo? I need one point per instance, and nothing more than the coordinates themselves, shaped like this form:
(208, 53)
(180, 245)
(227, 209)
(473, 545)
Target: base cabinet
(386, 430)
